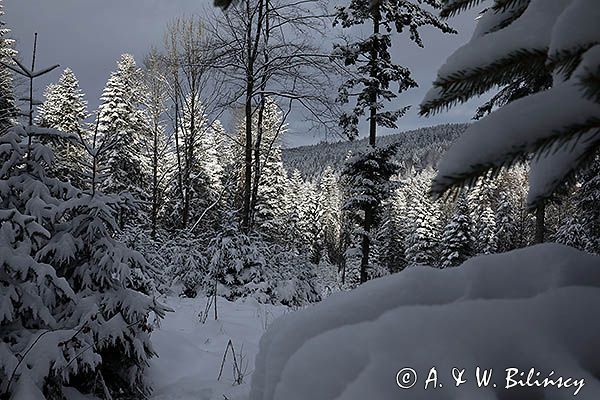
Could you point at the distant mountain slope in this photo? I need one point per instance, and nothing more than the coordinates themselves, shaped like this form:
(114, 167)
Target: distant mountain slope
(419, 149)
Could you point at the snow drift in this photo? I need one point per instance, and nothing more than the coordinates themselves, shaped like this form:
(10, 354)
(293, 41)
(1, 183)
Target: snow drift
(531, 308)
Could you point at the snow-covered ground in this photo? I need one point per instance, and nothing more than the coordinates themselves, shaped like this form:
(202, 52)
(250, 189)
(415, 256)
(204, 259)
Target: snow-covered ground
(535, 308)
(191, 352)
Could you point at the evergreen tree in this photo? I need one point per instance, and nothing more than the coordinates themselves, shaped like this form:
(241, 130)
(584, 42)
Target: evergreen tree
(586, 200)
(327, 276)
(394, 256)
(573, 233)
(486, 234)
(123, 125)
(331, 220)
(311, 226)
(199, 182)
(457, 239)
(422, 238)
(36, 300)
(481, 201)
(70, 296)
(8, 111)
(238, 265)
(367, 187)
(270, 200)
(375, 69)
(352, 263)
(295, 203)
(209, 156)
(65, 110)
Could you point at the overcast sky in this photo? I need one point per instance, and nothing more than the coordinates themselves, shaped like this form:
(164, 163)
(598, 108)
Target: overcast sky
(89, 36)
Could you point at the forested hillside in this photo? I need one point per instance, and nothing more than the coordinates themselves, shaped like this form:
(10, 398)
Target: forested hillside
(419, 149)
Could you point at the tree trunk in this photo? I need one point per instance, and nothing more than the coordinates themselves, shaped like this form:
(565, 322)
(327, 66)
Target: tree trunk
(257, 163)
(374, 60)
(366, 245)
(366, 239)
(248, 157)
(261, 113)
(252, 45)
(155, 180)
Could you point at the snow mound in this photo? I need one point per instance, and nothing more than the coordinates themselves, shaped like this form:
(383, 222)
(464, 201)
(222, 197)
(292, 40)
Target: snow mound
(531, 308)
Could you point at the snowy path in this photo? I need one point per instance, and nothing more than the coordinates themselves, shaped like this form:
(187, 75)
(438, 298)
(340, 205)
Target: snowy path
(190, 353)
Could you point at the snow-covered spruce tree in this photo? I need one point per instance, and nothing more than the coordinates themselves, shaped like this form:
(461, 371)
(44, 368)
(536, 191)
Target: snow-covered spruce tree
(295, 211)
(311, 226)
(209, 154)
(122, 123)
(367, 184)
(70, 316)
(295, 277)
(109, 279)
(350, 273)
(269, 210)
(582, 227)
(393, 257)
(587, 200)
(457, 239)
(510, 210)
(8, 111)
(304, 229)
(35, 299)
(515, 39)
(65, 109)
(227, 150)
(481, 201)
(331, 217)
(327, 277)
(375, 69)
(113, 283)
(422, 238)
(573, 233)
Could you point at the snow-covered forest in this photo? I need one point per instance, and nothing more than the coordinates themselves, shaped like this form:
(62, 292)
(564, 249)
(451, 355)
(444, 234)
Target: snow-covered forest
(167, 244)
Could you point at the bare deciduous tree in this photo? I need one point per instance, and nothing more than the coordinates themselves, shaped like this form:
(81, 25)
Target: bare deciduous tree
(271, 48)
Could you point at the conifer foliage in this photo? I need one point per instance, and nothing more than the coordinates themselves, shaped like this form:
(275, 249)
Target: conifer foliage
(512, 41)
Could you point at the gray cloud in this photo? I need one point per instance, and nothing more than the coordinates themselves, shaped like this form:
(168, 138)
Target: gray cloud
(89, 36)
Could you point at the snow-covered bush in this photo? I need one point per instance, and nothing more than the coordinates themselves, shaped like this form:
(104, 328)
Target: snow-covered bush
(238, 266)
(182, 259)
(157, 254)
(244, 265)
(295, 277)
